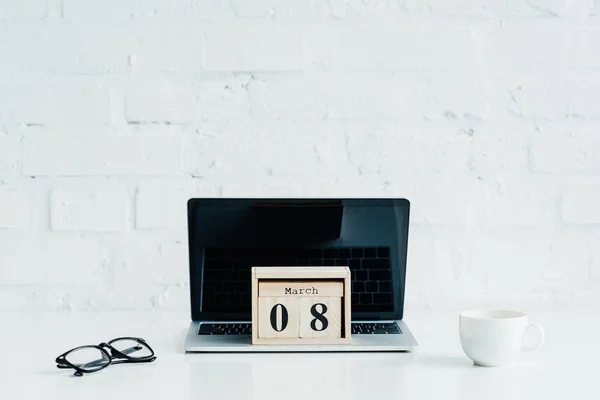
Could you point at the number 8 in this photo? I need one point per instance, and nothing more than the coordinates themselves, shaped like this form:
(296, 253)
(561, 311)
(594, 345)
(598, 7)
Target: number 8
(319, 316)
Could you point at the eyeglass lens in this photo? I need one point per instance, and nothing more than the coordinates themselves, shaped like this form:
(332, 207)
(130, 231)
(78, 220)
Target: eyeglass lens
(88, 358)
(132, 348)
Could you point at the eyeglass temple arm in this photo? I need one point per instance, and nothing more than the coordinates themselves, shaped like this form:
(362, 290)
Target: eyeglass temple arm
(97, 363)
(130, 350)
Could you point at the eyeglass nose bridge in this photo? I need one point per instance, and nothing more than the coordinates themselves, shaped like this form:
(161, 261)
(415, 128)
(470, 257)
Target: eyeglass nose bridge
(109, 349)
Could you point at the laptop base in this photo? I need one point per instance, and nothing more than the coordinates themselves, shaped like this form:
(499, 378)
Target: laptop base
(195, 343)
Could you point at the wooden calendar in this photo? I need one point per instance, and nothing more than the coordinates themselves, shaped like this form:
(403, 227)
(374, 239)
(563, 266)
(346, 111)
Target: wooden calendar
(301, 305)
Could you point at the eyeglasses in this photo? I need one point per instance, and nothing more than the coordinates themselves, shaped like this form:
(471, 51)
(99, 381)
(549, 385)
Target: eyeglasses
(86, 359)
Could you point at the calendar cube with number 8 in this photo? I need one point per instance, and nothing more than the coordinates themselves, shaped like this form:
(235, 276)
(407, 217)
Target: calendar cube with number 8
(301, 305)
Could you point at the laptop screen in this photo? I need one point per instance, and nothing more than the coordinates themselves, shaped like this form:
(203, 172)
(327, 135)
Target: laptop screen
(227, 237)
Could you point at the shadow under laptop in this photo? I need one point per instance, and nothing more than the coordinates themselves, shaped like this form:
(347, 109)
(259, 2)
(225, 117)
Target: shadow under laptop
(292, 375)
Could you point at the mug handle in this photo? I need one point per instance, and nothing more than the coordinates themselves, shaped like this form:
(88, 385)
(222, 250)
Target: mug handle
(541, 332)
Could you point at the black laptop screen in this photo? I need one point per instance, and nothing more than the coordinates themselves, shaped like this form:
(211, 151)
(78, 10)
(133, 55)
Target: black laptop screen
(230, 236)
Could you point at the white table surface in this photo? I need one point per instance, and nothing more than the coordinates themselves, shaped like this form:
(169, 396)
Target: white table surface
(566, 367)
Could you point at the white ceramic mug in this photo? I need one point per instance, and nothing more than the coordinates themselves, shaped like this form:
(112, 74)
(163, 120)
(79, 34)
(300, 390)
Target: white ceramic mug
(495, 338)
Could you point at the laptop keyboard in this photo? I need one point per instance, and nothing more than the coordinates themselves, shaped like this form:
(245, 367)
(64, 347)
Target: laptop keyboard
(227, 274)
(386, 328)
(225, 329)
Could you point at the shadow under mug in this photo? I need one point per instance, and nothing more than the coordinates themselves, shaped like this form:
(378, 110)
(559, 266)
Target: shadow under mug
(495, 338)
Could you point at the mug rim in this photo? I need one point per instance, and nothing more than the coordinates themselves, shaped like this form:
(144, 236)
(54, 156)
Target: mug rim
(482, 314)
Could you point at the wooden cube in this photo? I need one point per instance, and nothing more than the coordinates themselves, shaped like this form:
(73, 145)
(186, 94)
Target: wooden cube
(321, 317)
(281, 317)
(294, 305)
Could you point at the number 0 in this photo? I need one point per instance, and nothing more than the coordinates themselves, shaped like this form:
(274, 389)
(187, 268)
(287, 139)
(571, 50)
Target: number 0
(284, 317)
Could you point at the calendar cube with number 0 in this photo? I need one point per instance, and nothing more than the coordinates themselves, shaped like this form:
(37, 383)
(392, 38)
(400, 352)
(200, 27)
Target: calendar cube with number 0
(301, 305)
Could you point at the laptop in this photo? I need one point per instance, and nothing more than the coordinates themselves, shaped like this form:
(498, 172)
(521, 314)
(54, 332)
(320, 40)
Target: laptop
(227, 237)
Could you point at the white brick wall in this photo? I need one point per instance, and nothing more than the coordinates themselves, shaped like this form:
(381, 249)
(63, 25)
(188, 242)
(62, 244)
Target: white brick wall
(125, 10)
(16, 210)
(23, 10)
(251, 47)
(102, 208)
(52, 102)
(484, 113)
(580, 204)
(49, 154)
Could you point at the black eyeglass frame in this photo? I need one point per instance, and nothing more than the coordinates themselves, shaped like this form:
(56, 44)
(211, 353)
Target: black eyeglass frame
(114, 357)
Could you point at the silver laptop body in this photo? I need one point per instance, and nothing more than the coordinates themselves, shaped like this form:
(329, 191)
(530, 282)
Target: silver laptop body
(229, 236)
